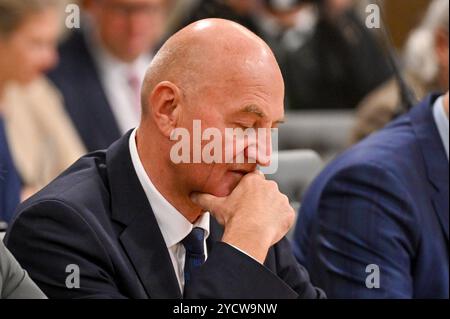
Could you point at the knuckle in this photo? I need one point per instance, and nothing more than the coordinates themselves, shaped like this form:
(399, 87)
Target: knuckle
(273, 186)
(290, 219)
(289, 211)
(291, 214)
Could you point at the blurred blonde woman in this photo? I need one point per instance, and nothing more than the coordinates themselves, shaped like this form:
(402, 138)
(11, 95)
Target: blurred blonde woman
(38, 140)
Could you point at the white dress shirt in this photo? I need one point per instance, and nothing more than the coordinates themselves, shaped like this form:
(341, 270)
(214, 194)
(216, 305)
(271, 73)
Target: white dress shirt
(173, 225)
(115, 79)
(442, 122)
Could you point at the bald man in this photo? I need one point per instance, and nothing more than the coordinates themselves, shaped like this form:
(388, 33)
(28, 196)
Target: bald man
(131, 222)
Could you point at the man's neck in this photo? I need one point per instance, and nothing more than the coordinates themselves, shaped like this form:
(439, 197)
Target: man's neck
(165, 181)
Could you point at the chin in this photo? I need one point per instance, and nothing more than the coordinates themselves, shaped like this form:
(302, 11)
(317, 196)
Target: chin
(226, 186)
(28, 79)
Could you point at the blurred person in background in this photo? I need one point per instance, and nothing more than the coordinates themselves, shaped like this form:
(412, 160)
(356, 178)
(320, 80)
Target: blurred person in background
(286, 26)
(36, 139)
(289, 23)
(102, 65)
(338, 65)
(243, 12)
(425, 68)
(375, 223)
(323, 48)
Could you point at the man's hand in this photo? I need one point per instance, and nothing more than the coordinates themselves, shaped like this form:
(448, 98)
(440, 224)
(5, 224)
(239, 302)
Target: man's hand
(256, 215)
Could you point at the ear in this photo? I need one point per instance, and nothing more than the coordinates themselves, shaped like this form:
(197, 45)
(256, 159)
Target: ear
(165, 107)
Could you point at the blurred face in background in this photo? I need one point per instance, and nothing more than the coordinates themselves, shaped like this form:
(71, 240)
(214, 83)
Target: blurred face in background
(128, 28)
(30, 49)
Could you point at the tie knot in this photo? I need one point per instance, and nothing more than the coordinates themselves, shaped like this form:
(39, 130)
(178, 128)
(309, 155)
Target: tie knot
(194, 242)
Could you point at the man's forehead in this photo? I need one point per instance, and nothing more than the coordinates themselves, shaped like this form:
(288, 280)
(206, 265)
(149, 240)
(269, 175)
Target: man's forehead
(236, 98)
(273, 114)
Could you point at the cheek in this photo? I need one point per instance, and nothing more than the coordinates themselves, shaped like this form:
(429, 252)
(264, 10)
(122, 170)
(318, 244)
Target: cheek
(23, 59)
(201, 176)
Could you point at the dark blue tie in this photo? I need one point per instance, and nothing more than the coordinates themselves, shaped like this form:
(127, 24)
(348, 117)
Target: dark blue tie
(194, 243)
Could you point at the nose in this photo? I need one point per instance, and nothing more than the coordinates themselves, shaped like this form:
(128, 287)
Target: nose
(260, 150)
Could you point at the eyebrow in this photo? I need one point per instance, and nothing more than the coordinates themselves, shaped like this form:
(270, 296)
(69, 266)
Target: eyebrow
(254, 109)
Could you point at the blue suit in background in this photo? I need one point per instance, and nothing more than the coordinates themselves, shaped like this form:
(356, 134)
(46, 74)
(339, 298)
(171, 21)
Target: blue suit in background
(384, 202)
(10, 183)
(77, 78)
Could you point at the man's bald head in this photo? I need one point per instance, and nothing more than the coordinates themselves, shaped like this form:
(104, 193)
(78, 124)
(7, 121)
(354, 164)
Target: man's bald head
(208, 51)
(220, 74)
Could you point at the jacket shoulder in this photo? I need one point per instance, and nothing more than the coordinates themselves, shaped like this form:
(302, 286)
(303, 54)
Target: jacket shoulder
(394, 149)
(82, 186)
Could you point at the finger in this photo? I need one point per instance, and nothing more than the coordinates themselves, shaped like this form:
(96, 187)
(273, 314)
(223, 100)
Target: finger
(208, 202)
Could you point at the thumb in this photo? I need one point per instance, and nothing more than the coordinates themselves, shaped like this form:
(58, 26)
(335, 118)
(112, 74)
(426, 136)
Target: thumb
(208, 202)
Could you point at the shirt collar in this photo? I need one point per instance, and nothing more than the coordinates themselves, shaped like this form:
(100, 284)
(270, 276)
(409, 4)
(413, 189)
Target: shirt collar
(442, 122)
(173, 225)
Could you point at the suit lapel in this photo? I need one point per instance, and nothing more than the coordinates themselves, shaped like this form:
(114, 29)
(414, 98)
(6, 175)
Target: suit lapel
(148, 253)
(141, 239)
(441, 207)
(435, 159)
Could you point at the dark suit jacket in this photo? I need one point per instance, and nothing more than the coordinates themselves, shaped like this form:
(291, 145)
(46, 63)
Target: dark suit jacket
(383, 202)
(97, 216)
(76, 76)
